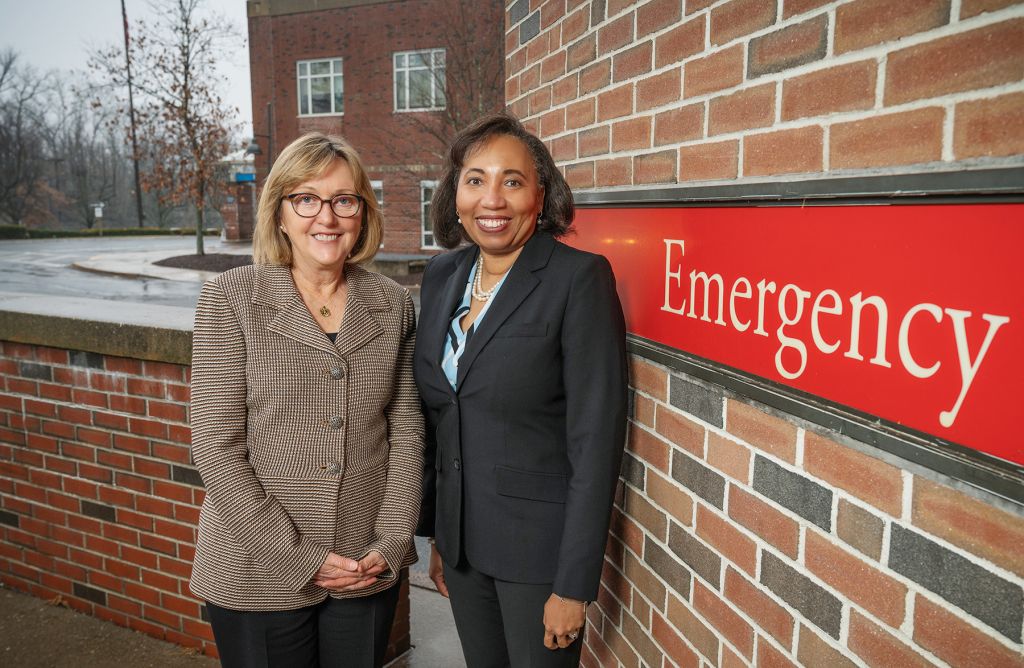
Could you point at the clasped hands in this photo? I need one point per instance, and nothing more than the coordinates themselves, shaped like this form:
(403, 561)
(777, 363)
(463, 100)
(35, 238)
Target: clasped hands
(340, 573)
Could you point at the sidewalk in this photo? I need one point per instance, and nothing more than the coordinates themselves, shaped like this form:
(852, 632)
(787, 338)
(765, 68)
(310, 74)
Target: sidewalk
(140, 265)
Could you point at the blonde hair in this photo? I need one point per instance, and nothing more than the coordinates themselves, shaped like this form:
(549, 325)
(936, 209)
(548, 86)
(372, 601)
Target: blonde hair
(306, 158)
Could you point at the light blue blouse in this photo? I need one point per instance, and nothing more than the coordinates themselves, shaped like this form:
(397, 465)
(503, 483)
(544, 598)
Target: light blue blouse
(457, 340)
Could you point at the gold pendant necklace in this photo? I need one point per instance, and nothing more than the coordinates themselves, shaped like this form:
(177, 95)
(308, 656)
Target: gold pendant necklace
(325, 312)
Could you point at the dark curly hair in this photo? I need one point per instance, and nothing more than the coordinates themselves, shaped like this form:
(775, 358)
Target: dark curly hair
(556, 219)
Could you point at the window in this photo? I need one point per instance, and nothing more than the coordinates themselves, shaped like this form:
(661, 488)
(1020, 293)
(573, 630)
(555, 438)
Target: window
(427, 232)
(378, 192)
(419, 80)
(321, 87)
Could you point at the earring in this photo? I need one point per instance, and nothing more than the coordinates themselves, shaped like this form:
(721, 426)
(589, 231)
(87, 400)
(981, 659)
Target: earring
(458, 218)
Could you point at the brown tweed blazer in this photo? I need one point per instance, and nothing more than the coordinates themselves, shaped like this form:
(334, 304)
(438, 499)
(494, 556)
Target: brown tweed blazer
(304, 446)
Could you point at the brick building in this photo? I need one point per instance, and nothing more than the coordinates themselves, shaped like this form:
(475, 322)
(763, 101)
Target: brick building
(771, 513)
(393, 77)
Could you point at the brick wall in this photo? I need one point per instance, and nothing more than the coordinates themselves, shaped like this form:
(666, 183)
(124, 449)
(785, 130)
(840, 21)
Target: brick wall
(681, 91)
(394, 146)
(98, 499)
(743, 535)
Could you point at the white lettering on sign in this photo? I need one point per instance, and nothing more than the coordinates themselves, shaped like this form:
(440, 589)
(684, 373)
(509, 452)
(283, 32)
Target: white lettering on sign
(791, 357)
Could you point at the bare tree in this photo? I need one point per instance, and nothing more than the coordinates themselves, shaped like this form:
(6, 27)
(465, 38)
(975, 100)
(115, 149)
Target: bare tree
(22, 128)
(185, 122)
(472, 79)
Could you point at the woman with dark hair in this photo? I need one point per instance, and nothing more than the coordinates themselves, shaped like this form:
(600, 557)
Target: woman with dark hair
(520, 363)
(306, 426)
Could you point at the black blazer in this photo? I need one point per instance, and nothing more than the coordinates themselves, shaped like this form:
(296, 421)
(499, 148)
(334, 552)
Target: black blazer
(522, 461)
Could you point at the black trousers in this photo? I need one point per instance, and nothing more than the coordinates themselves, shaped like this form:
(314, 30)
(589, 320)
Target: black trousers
(349, 632)
(501, 624)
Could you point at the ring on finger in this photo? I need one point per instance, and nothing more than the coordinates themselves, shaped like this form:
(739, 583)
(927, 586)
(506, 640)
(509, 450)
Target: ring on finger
(573, 635)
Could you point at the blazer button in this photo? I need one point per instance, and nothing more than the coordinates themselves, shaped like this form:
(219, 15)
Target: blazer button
(337, 373)
(457, 464)
(334, 468)
(336, 422)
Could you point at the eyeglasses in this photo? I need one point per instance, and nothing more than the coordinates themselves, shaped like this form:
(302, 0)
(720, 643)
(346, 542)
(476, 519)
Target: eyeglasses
(308, 205)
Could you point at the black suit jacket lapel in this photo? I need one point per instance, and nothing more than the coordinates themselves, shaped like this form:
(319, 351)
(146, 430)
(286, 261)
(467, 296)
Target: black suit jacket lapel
(435, 328)
(520, 282)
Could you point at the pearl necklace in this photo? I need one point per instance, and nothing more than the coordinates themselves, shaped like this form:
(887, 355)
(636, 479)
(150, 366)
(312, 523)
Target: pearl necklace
(478, 292)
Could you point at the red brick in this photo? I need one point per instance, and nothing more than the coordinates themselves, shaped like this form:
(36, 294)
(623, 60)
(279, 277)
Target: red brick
(679, 124)
(680, 430)
(579, 53)
(52, 391)
(648, 378)
(680, 43)
(152, 469)
(956, 642)
(617, 172)
(743, 110)
(979, 58)
(794, 7)
(768, 656)
(766, 432)
(672, 644)
(137, 483)
(659, 90)
(146, 387)
(740, 17)
(44, 408)
(879, 648)
(729, 457)
(566, 89)
(551, 11)
(814, 651)
(530, 79)
(123, 365)
(173, 453)
(19, 386)
(182, 606)
(727, 540)
(718, 71)
(574, 25)
(655, 15)
(644, 580)
(723, 618)
(131, 444)
(866, 586)
(580, 114)
(781, 531)
(596, 76)
(114, 460)
(540, 100)
(580, 175)
(692, 6)
(652, 519)
(620, 647)
(51, 355)
(126, 404)
(841, 88)
(632, 62)
(893, 139)
(616, 34)
(564, 148)
(19, 350)
(158, 544)
(867, 478)
(593, 141)
(676, 500)
(110, 421)
(86, 453)
(759, 606)
(149, 428)
(791, 46)
(693, 629)
(105, 382)
(703, 162)
(615, 103)
(865, 23)
(783, 152)
(551, 123)
(982, 529)
(654, 168)
(650, 448)
(166, 411)
(974, 7)
(989, 128)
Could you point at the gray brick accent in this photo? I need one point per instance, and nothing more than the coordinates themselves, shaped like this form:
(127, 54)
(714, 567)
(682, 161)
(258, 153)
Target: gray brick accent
(697, 400)
(89, 593)
(86, 359)
(596, 12)
(98, 510)
(804, 497)
(33, 370)
(704, 482)
(9, 518)
(704, 561)
(633, 470)
(186, 474)
(820, 607)
(518, 11)
(988, 597)
(530, 28)
(670, 570)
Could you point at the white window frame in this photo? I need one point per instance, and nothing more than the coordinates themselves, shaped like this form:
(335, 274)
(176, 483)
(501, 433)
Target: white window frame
(400, 62)
(337, 71)
(425, 217)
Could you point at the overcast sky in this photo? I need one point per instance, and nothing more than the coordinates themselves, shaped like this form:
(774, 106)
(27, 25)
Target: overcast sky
(57, 34)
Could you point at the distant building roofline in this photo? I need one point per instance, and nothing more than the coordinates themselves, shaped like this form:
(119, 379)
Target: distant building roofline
(281, 7)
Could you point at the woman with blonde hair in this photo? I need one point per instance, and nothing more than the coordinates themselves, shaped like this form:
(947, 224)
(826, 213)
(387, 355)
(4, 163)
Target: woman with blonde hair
(306, 426)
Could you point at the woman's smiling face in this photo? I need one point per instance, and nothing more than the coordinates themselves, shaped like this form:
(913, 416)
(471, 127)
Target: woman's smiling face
(499, 195)
(325, 240)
